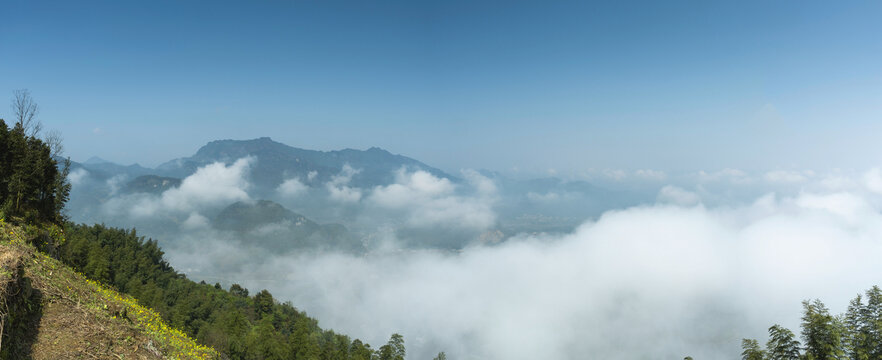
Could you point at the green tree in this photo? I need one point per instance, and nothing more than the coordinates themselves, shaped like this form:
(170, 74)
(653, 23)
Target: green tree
(303, 339)
(871, 323)
(238, 290)
(782, 344)
(265, 343)
(441, 356)
(751, 350)
(857, 336)
(263, 303)
(821, 332)
(393, 350)
(360, 351)
(32, 187)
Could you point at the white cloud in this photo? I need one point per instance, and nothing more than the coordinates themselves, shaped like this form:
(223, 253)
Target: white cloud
(195, 221)
(734, 176)
(784, 176)
(846, 205)
(650, 174)
(211, 185)
(653, 281)
(292, 187)
(432, 201)
(873, 180)
(837, 182)
(344, 194)
(116, 182)
(338, 188)
(345, 175)
(482, 184)
(645, 282)
(77, 176)
(674, 195)
(547, 197)
(614, 174)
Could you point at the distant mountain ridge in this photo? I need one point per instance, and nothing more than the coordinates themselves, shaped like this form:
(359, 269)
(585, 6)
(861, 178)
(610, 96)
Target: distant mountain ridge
(276, 162)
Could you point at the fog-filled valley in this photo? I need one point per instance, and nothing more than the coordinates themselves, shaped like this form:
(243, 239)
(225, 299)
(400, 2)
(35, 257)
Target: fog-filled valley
(480, 265)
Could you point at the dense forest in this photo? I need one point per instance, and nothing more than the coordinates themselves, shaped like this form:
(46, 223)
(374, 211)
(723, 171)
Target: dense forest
(33, 191)
(854, 335)
(237, 324)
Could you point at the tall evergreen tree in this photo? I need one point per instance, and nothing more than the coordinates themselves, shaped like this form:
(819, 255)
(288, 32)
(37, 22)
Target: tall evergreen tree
(782, 344)
(821, 332)
(871, 323)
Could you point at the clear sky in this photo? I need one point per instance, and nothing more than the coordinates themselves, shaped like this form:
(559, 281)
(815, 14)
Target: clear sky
(669, 85)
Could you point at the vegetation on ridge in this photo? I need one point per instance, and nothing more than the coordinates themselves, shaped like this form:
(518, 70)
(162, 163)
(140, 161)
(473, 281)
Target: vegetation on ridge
(59, 313)
(239, 325)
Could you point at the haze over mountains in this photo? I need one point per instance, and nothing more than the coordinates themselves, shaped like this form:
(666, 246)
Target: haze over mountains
(336, 186)
(491, 266)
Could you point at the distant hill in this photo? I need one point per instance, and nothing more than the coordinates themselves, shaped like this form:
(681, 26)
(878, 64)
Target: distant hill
(101, 169)
(277, 162)
(95, 161)
(269, 225)
(151, 184)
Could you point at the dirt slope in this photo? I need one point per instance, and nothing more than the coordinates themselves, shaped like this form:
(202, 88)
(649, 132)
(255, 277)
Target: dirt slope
(50, 312)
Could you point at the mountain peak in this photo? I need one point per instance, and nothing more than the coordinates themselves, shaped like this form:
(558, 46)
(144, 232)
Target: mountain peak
(375, 149)
(95, 161)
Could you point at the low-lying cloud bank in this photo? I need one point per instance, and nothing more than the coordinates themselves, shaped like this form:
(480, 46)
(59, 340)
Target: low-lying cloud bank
(660, 281)
(701, 265)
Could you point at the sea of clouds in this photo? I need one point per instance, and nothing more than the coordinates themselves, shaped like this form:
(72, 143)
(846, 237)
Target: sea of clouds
(708, 259)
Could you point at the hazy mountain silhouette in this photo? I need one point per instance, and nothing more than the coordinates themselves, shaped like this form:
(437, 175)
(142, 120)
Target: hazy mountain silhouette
(269, 225)
(276, 162)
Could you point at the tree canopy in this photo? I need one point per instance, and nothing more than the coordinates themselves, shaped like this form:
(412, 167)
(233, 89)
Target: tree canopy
(32, 187)
(854, 335)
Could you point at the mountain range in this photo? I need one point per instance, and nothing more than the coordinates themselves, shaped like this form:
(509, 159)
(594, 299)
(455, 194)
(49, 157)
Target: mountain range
(276, 162)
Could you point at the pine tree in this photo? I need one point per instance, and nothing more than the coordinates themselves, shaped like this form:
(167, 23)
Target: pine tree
(856, 338)
(871, 323)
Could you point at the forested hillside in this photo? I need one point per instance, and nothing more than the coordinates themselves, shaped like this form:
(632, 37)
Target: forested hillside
(238, 324)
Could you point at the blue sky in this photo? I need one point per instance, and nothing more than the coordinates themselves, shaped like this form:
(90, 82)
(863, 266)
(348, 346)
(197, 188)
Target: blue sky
(675, 86)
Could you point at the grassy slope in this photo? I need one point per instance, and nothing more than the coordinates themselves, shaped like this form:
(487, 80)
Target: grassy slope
(76, 318)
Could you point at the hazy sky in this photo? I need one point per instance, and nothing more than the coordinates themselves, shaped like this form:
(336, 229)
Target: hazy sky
(667, 85)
